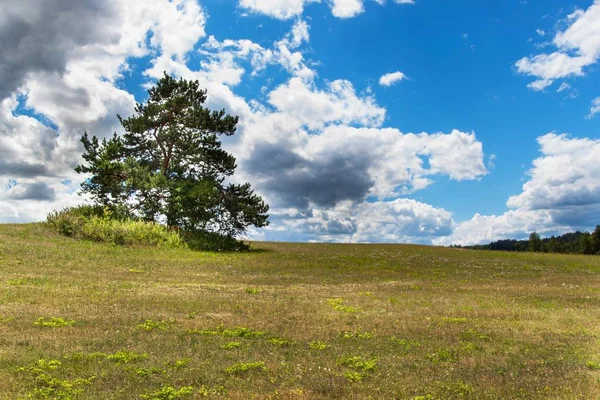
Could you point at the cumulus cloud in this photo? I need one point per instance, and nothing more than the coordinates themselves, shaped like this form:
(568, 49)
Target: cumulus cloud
(316, 108)
(562, 193)
(286, 9)
(577, 47)
(391, 78)
(346, 8)
(397, 221)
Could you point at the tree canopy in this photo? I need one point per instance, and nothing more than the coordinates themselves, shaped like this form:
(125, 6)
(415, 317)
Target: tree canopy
(169, 166)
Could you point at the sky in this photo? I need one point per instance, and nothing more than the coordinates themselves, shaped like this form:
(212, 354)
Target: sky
(411, 121)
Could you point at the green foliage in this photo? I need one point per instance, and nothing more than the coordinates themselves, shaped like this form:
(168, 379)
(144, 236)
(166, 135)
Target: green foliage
(209, 391)
(167, 392)
(241, 368)
(360, 367)
(338, 305)
(405, 344)
(53, 322)
(535, 242)
(252, 290)
(48, 386)
(93, 223)
(593, 365)
(212, 241)
(150, 325)
(231, 345)
(360, 364)
(169, 164)
(571, 243)
(355, 335)
(178, 364)
(354, 376)
(317, 345)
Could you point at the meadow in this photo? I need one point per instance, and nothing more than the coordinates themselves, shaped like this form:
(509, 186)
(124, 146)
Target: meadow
(86, 320)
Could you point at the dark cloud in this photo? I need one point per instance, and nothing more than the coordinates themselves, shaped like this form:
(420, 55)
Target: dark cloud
(296, 182)
(577, 217)
(39, 35)
(35, 191)
(23, 170)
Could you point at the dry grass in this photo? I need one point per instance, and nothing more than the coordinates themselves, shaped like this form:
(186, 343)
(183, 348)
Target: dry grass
(433, 322)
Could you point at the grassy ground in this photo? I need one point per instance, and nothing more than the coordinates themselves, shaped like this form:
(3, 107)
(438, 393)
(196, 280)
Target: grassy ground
(294, 321)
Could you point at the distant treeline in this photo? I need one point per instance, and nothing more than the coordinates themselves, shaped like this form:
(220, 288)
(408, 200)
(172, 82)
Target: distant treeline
(571, 243)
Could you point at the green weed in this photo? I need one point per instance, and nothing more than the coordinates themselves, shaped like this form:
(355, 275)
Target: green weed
(241, 368)
(338, 304)
(355, 335)
(252, 290)
(317, 345)
(53, 322)
(405, 344)
(178, 364)
(593, 365)
(51, 387)
(150, 325)
(358, 363)
(167, 392)
(210, 391)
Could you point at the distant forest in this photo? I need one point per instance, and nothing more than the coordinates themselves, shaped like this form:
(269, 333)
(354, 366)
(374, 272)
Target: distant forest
(570, 243)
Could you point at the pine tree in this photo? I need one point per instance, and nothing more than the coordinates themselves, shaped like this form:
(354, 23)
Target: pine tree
(169, 165)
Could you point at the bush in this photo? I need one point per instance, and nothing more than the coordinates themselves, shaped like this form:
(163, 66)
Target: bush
(210, 241)
(95, 223)
(119, 227)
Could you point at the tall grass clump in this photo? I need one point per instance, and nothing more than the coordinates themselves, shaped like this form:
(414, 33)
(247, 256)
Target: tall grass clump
(102, 225)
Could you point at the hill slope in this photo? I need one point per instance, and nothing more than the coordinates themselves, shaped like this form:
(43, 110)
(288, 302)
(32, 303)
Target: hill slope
(297, 321)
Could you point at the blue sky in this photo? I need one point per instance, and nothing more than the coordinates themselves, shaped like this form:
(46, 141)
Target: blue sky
(502, 98)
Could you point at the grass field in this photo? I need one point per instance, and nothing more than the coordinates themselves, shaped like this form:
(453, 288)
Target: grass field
(294, 321)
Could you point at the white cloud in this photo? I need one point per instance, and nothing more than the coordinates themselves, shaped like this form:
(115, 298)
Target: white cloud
(562, 193)
(346, 8)
(280, 9)
(315, 108)
(577, 47)
(286, 9)
(397, 221)
(540, 32)
(391, 78)
(595, 108)
(563, 86)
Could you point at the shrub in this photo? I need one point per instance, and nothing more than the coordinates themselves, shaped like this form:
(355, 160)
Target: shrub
(112, 226)
(118, 226)
(211, 241)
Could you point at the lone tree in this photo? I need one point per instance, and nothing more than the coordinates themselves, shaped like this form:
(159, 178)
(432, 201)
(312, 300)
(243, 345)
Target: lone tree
(535, 242)
(169, 166)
